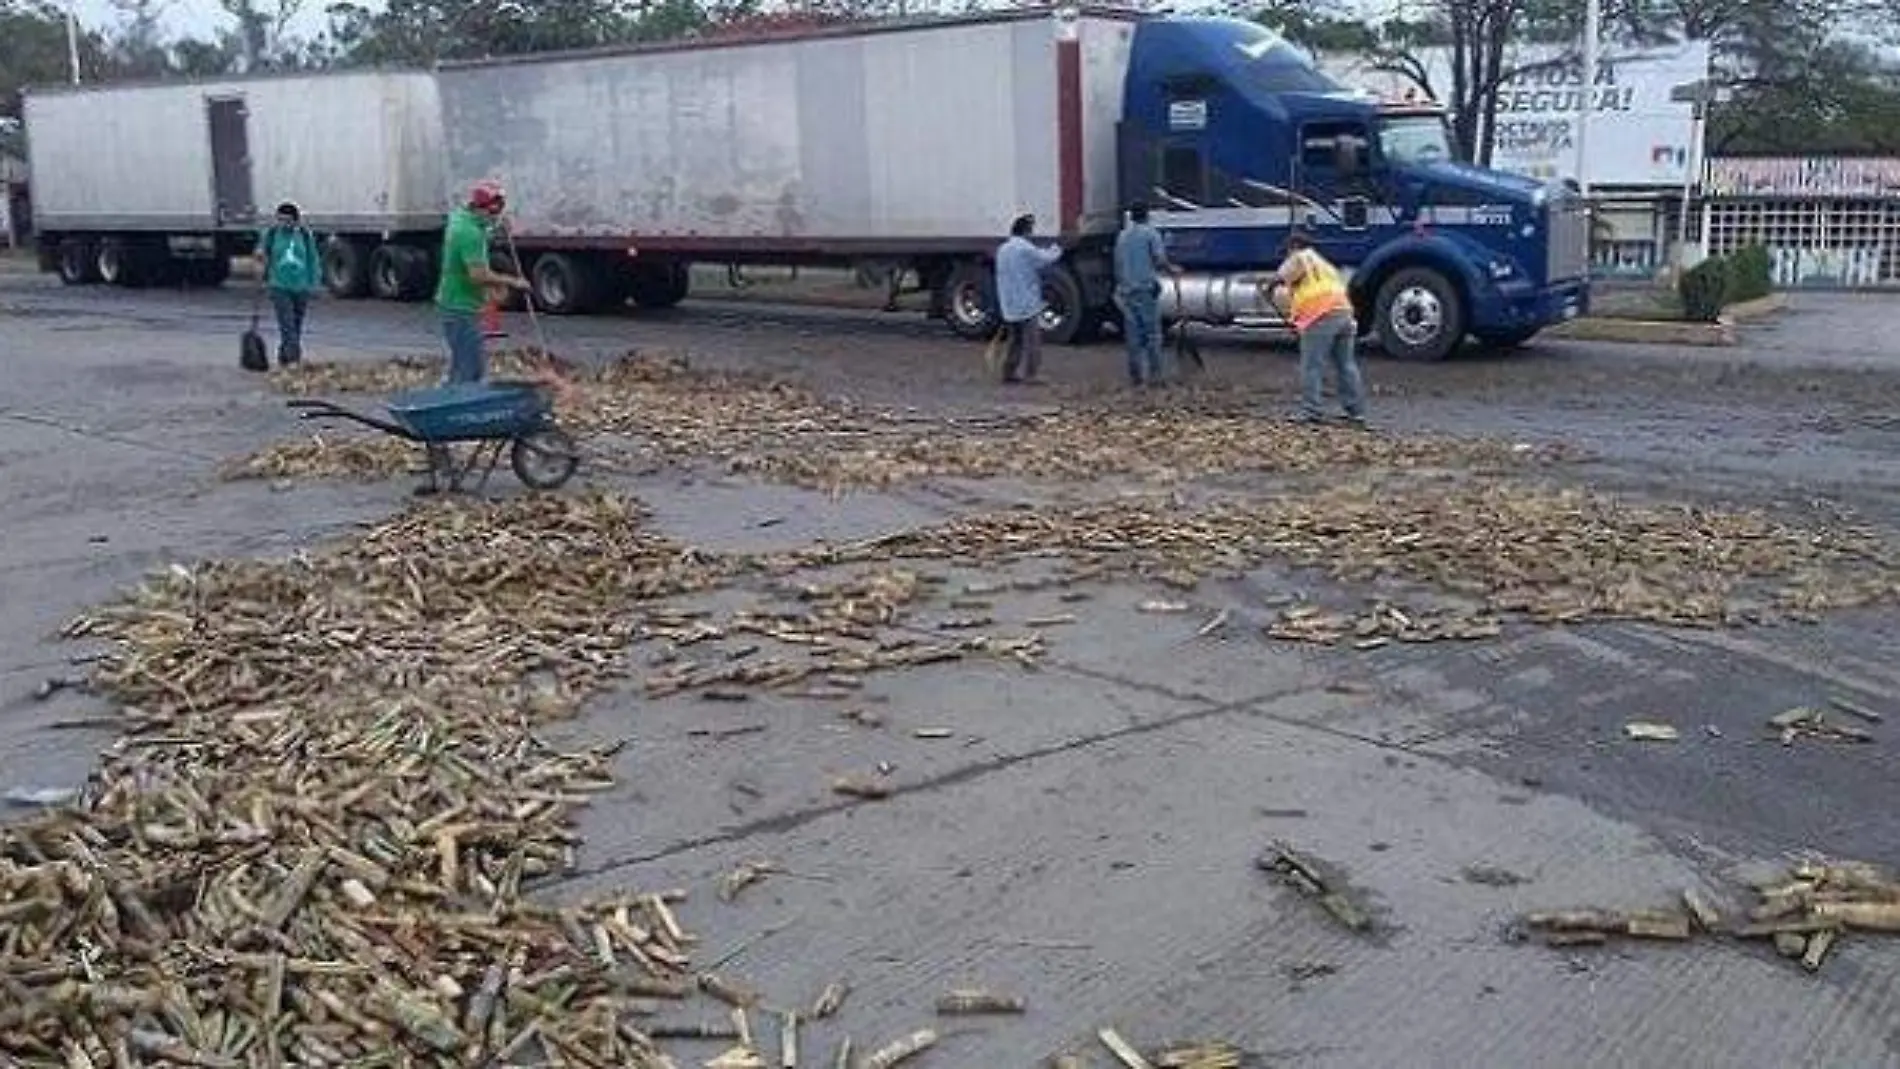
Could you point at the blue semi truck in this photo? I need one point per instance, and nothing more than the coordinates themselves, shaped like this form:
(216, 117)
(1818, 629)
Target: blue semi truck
(1235, 137)
(911, 144)
(902, 146)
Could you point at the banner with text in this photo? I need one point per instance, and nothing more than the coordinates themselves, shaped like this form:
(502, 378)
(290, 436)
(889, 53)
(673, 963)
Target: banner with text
(1638, 135)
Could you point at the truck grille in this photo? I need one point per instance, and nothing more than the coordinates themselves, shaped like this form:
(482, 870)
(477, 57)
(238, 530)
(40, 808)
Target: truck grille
(1569, 241)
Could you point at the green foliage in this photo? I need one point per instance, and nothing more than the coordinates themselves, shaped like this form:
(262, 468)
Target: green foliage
(1704, 290)
(1750, 274)
(32, 49)
(1805, 77)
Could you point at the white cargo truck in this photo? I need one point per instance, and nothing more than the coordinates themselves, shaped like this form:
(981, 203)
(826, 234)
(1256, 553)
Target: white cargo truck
(164, 183)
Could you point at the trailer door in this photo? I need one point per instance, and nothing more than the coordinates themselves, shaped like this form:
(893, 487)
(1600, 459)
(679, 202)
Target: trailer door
(230, 161)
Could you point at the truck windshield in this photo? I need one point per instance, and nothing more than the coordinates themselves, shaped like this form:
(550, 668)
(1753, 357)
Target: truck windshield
(1414, 139)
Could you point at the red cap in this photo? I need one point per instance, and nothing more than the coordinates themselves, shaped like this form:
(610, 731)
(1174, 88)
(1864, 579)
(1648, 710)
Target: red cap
(487, 197)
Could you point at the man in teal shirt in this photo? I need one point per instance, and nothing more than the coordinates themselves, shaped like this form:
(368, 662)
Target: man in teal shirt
(287, 255)
(466, 276)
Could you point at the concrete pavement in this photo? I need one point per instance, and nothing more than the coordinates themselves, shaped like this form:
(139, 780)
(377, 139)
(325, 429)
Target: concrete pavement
(1086, 837)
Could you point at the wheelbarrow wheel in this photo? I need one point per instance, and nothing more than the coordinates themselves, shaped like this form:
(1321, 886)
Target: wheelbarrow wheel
(545, 459)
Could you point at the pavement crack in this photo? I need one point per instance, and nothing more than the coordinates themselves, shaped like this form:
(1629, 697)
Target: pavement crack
(102, 436)
(793, 820)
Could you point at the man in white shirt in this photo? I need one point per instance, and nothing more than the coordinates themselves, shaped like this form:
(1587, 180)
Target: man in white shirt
(1019, 267)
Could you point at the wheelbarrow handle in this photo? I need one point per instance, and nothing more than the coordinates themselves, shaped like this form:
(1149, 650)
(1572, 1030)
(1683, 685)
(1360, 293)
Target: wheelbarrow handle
(316, 408)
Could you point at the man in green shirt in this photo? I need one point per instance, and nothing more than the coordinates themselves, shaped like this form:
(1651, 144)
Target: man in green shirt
(466, 276)
(287, 255)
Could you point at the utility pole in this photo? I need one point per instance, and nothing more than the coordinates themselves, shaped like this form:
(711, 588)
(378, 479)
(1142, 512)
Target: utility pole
(1592, 25)
(72, 40)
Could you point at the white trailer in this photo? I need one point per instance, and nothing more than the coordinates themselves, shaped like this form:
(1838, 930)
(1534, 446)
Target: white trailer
(909, 144)
(154, 183)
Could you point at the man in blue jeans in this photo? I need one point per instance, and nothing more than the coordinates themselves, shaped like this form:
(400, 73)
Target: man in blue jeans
(1140, 258)
(466, 276)
(1019, 267)
(287, 255)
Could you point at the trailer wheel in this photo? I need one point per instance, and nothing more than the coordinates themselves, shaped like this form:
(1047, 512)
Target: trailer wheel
(78, 263)
(564, 284)
(1421, 315)
(415, 272)
(345, 269)
(390, 267)
(663, 285)
(970, 302)
(1065, 319)
(120, 264)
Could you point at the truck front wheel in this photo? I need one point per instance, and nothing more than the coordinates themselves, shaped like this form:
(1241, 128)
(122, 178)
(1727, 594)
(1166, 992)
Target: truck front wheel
(970, 302)
(1421, 315)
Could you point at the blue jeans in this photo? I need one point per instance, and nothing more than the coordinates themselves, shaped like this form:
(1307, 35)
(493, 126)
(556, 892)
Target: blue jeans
(1331, 341)
(464, 335)
(290, 307)
(1141, 329)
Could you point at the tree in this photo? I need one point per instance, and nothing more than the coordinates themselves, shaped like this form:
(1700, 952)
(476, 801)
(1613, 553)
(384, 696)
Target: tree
(1321, 28)
(138, 47)
(1480, 39)
(33, 50)
(1799, 75)
(423, 32)
(260, 38)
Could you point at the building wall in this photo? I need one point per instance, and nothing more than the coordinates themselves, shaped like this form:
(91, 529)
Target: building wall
(1828, 222)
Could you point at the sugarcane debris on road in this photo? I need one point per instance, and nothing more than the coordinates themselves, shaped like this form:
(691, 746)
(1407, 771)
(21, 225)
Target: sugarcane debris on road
(646, 407)
(321, 836)
(1805, 912)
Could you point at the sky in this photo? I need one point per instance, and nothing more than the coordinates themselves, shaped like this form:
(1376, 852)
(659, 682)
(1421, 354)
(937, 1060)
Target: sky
(194, 17)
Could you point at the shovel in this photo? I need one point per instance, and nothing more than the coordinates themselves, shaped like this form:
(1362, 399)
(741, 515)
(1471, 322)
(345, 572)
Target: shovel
(253, 354)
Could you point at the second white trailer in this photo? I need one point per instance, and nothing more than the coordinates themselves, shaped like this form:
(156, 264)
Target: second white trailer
(913, 144)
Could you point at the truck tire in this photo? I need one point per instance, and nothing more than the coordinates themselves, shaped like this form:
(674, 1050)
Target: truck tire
(345, 268)
(1066, 319)
(564, 285)
(1515, 339)
(416, 274)
(970, 302)
(1421, 315)
(655, 286)
(120, 264)
(78, 262)
(391, 273)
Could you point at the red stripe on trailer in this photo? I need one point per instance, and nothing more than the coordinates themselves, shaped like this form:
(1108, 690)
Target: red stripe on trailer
(1069, 133)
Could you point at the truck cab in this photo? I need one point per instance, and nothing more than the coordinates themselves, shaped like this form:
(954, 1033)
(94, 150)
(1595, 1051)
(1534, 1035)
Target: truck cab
(1236, 138)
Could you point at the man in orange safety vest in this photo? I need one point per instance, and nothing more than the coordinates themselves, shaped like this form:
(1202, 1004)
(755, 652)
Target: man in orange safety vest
(1311, 294)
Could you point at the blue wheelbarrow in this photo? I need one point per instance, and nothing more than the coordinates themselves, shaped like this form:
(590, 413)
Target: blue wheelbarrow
(516, 415)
